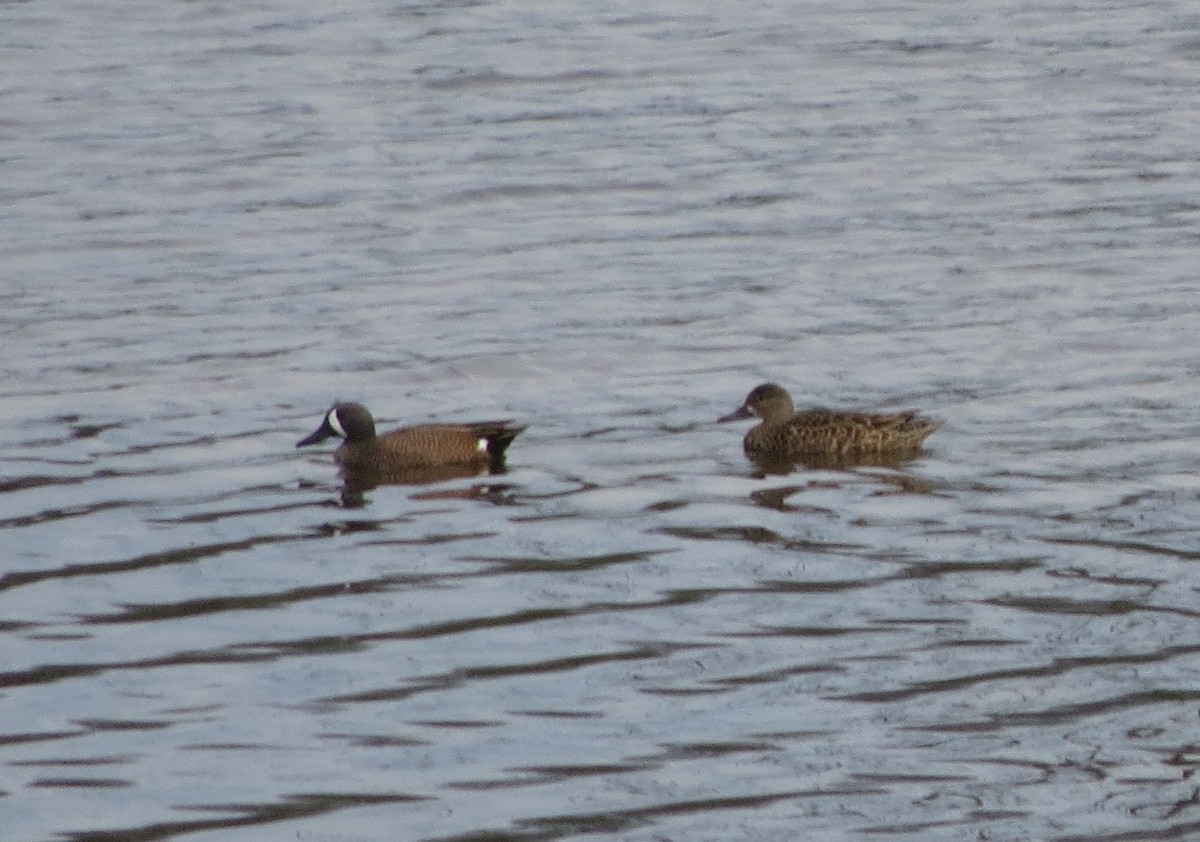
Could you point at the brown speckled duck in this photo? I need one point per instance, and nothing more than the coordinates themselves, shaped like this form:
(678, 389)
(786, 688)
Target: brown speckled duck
(476, 444)
(826, 434)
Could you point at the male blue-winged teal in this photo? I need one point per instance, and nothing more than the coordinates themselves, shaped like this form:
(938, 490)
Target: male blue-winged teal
(473, 444)
(826, 434)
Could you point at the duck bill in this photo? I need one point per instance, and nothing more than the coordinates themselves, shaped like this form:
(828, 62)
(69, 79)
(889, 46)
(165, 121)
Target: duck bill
(323, 432)
(739, 414)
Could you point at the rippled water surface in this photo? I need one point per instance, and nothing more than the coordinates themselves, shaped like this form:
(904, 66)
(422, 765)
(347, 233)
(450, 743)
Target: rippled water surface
(607, 223)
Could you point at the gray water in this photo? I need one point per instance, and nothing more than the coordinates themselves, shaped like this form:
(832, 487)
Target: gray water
(608, 222)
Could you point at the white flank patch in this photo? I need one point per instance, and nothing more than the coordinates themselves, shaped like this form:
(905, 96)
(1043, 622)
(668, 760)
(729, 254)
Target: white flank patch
(334, 423)
(481, 445)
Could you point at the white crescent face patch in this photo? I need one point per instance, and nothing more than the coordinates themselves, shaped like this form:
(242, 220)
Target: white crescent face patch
(334, 423)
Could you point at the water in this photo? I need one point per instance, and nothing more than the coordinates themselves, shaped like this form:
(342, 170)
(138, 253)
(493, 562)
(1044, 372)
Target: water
(609, 224)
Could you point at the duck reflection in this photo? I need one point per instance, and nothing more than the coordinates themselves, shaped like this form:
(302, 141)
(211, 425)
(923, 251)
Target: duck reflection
(357, 480)
(774, 464)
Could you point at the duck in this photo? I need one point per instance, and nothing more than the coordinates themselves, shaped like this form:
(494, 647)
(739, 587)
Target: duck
(474, 444)
(826, 435)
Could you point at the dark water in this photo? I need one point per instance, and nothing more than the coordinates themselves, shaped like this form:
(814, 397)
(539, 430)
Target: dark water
(608, 223)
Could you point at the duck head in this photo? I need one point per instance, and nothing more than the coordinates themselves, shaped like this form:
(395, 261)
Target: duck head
(350, 421)
(769, 401)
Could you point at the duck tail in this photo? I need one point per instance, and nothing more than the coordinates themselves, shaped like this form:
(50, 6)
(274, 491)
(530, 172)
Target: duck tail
(498, 435)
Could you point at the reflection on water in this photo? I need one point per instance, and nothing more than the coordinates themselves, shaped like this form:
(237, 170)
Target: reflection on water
(769, 464)
(357, 480)
(604, 223)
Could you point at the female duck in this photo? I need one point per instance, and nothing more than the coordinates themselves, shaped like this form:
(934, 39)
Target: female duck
(787, 434)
